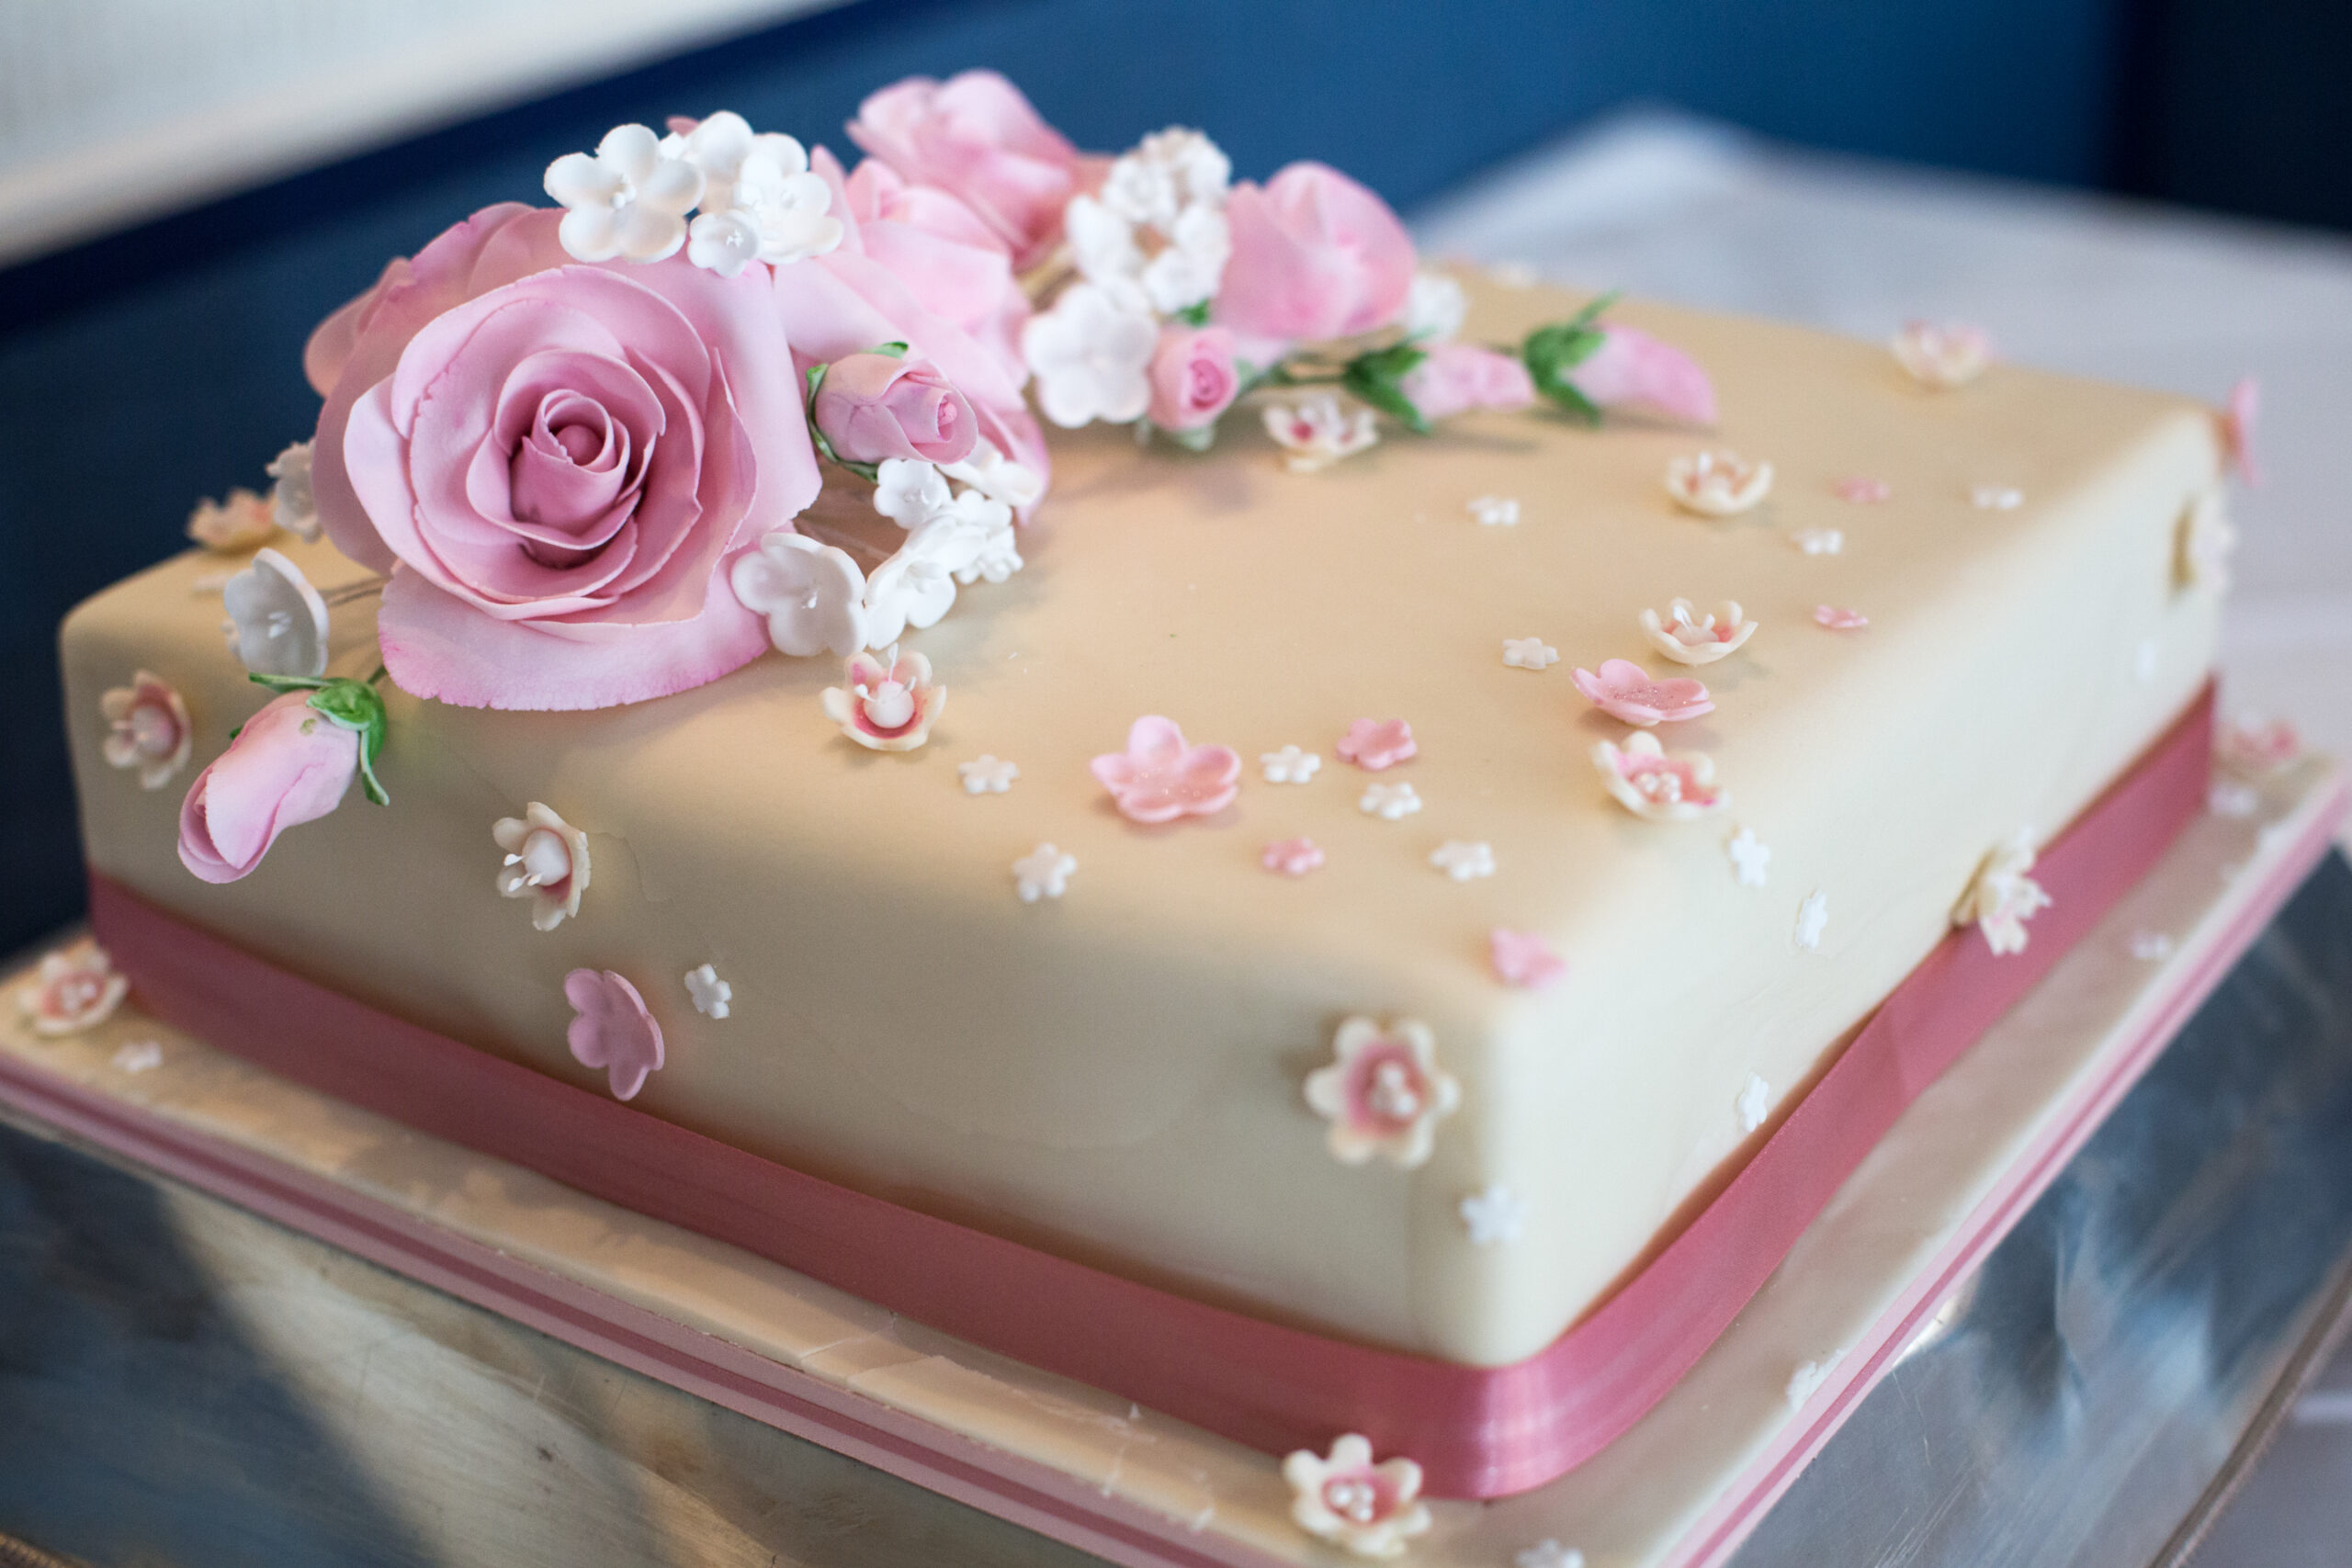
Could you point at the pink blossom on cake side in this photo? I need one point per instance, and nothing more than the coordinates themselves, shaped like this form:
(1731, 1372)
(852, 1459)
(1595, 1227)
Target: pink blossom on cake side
(953, 264)
(1192, 377)
(1633, 369)
(1623, 690)
(147, 728)
(978, 138)
(1374, 744)
(289, 764)
(1456, 378)
(1315, 255)
(1161, 776)
(612, 1030)
(873, 406)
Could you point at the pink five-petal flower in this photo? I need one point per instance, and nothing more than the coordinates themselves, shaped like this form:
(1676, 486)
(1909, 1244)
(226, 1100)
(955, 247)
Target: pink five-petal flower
(887, 701)
(1624, 690)
(613, 1029)
(2239, 416)
(1523, 958)
(1371, 1511)
(1161, 776)
(1373, 744)
(1863, 492)
(1292, 857)
(1384, 1092)
(1838, 620)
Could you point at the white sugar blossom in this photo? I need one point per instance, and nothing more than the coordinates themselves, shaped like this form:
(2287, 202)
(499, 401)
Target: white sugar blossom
(775, 212)
(1717, 484)
(1292, 764)
(812, 594)
(292, 507)
(1751, 859)
(1435, 307)
(1370, 1510)
(1494, 1217)
(1754, 1104)
(629, 199)
(1044, 872)
(986, 775)
(996, 476)
(1155, 237)
(1943, 355)
(547, 862)
(1995, 498)
(1495, 511)
(1464, 859)
(913, 588)
(2001, 898)
(1317, 432)
(1528, 653)
(1189, 267)
(2206, 540)
(1169, 172)
(277, 623)
(1089, 355)
(139, 1056)
(1548, 1553)
(1812, 918)
(713, 997)
(910, 492)
(1819, 541)
(1389, 802)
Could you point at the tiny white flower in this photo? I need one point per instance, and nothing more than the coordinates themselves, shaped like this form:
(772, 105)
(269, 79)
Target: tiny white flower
(1320, 430)
(2000, 898)
(775, 211)
(1549, 1553)
(1495, 511)
(1820, 541)
(2143, 660)
(910, 491)
(1812, 917)
(629, 199)
(986, 774)
(2206, 540)
(713, 997)
(2230, 799)
(812, 594)
(1089, 355)
(292, 504)
(1464, 859)
(1749, 857)
(1995, 498)
(1169, 170)
(277, 623)
(1755, 1103)
(1389, 802)
(913, 588)
(1434, 309)
(1528, 653)
(1043, 873)
(1292, 764)
(1189, 268)
(1494, 1217)
(996, 476)
(1806, 1382)
(139, 1056)
(2151, 947)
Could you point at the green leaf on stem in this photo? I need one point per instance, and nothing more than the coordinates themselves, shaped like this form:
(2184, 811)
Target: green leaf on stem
(1375, 378)
(356, 706)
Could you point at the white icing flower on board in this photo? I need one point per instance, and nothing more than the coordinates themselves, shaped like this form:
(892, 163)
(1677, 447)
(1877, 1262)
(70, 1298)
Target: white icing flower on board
(139, 1056)
(293, 505)
(1806, 1382)
(2228, 797)
(1496, 1217)
(1371, 1511)
(2206, 540)
(1717, 484)
(1292, 764)
(997, 477)
(986, 774)
(1749, 858)
(1812, 918)
(629, 198)
(277, 623)
(547, 862)
(1383, 1093)
(1091, 356)
(1656, 785)
(887, 702)
(1389, 802)
(1944, 356)
(2151, 947)
(2001, 898)
(1995, 498)
(1494, 511)
(713, 997)
(1043, 873)
(1319, 431)
(1548, 1553)
(1819, 541)
(76, 987)
(147, 728)
(1434, 308)
(231, 527)
(1689, 638)
(1754, 1104)
(812, 594)
(1464, 860)
(1528, 653)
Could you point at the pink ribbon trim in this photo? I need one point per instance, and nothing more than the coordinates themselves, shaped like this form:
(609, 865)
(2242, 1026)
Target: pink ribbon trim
(1477, 1432)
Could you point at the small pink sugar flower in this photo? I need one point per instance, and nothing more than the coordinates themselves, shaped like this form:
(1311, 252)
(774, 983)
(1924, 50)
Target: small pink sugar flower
(1838, 620)
(1161, 776)
(887, 702)
(612, 1031)
(76, 988)
(1371, 1511)
(1660, 787)
(1863, 492)
(1523, 958)
(1624, 690)
(2239, 416)
(1383, 1093)
(1292, 857)
(1373, 744)
(2259, 748)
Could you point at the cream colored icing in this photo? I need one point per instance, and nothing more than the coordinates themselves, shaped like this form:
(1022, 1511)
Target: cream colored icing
(1115, 1073)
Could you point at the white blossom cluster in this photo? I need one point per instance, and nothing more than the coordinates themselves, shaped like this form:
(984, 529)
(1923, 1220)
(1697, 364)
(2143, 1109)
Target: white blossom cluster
(757, 198)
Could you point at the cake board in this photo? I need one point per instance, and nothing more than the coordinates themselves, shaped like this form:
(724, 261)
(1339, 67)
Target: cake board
(1683, 1487)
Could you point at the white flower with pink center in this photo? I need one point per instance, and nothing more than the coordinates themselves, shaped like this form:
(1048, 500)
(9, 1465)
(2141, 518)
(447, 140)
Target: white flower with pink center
(2207, 539)
(2001, 898)
(76, 988)
(547, 862)
(1688, 636)
(2259, 748)
(1943, 355)
(1375, 744)
(1623, 690)
(1161, 776)
(1317, 432)
(1383, 1093)
(1370, 1509)
(147, 729)
(1659, 785)
(1717, 484)
(887, 702)
(1292, 857)
(235, 526)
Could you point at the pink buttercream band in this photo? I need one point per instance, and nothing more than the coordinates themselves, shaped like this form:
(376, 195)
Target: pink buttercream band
(1477, 1432)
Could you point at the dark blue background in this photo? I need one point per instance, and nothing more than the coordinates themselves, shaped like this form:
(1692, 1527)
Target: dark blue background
(147, 368)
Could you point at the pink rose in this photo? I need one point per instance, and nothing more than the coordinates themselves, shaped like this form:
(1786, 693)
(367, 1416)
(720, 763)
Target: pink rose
(1457, 377)
(289, 764)
(1193, 378)
(1315, 255)
(976, 138)
(559, 457)
(876, 406)
(952, 263)
(1633, 369)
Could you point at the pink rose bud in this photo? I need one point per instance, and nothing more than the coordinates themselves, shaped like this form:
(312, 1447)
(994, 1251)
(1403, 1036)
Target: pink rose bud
(1193, 378)
(289, 764)
(873, 406)
(1457, 376)
(1315, 255)
(1633, 369)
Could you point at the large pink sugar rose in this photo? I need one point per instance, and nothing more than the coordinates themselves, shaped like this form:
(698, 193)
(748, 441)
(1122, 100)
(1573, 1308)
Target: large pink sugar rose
(954, 265)
(1192, 377)
(1457, 376)
(558, 458)
(976, 138)
(1315, 255)
(289, 764)
(874, 407)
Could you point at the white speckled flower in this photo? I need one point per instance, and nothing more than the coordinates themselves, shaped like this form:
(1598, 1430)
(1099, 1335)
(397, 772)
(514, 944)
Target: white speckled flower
(1383, 1093)
(629, 198)
(1435, 307)
(1943, 355)
(986, 774)
(1528, 653)
(1688, 637)
(1389, 802)
(1655, 785)
(1495, 511)
(812, 594)
(2206, 540)
(231, 527)
(713, 997)
(1717, 484)
(547, 862)
(76, 988)
(292, 504)
(1317, 431)
(1044, 872)
(2001, 898)
(277, 623)
(1091, 358)
(1496, 1217)
(147, 729)
(1371, 1510)
(887, 702)
(1464, 860)
(1292, 764)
